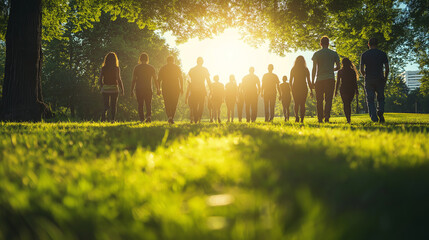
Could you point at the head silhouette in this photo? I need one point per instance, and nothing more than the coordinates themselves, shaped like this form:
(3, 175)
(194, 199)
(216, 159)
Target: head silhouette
(144, 58)
(170, 59)
(232, 78)
(111, 60)
(251, 70)
(349, 66)
(324, 41)
(373, 42)
(270, 68)
(284, 79)
(300, 63)
(216, 78)
(200, 61)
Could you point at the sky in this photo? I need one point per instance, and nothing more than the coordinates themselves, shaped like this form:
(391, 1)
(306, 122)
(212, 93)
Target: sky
(227, 54)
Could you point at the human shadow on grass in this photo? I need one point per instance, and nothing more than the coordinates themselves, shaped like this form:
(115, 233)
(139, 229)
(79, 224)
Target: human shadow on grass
(337, 197)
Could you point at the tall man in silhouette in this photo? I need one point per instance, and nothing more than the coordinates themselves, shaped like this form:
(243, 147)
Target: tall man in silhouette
(251, 88)
(143, 75)
(323, 64)
(170, 78)
(270, 85)
(374, 66)
(199, 75)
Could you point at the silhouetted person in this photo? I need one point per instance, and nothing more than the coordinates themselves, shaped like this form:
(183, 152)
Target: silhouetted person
(299, 79)
(218, 93)
(199, 75)
(323, 64)
(189, 101)
(210, 106)
(143, 75)
(285, 97)
(231, 92)
(251, 87)
(240, 102)
(374, 66)
(110, 83)
(347, 84)
(170, 78)
(270, 85)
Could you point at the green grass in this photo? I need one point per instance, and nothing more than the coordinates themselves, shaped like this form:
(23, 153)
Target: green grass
(216, 181)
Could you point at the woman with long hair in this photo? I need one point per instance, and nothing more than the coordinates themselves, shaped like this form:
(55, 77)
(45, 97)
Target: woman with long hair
(110, 83)
(347, 84)
(231, 91)
(299, 80)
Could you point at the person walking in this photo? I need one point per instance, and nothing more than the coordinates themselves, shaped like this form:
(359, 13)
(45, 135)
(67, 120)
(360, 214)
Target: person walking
(240, 102)
(347, 84)
(323, 67)
(199, 75)
(374, 66)
(110, 83)
(231, 92)
(299, 79)
(285, 97)
(270, 85)
(218, 92)
(143, 75)
(171, 80)
(251, 89)
(189, 102)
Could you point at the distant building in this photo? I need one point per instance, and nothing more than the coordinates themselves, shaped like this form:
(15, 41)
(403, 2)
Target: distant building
(412, 79)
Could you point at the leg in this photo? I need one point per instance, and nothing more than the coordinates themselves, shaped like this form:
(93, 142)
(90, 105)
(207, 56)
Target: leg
(272, 107)
(173, 107)
(302, 108)
(248, 109)
(329, 94)
(113, 103)
(370, 95)
(240, 110)
(267, 108)
(380, 99)
(254, 108)
(105, 106)
(148, 103)
(319, 100)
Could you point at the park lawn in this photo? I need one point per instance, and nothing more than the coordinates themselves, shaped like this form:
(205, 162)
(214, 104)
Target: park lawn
(276, 180)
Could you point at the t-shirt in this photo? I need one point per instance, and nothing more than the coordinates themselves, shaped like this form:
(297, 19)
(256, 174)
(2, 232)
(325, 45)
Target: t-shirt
(325, 59)
(347, 81)
(198, 75)
(143, 74)
(269, 84)
(110, 75)
(285, 88)
(217, 91)
(231, 91)
(170, 75)
(373, 61)
(298, 78)
(249, 84)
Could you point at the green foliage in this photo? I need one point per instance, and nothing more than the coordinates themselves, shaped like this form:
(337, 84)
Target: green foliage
(215, 181)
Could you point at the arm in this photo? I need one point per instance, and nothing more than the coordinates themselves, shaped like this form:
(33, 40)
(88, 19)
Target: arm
(188, 91)
(259, 86)
(133, 83)
(100, 79)
(362, 67)
(337, 86)
(313, 73)
(386, 71)
(120, 83)
(181, 81)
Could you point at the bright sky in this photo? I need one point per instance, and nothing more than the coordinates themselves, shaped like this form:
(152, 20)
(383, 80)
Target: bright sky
(226, 54)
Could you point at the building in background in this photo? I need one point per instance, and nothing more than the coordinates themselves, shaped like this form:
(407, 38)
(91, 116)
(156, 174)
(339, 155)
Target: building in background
(412, 79)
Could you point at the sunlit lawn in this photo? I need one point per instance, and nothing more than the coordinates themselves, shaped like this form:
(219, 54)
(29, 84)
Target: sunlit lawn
(216, 181)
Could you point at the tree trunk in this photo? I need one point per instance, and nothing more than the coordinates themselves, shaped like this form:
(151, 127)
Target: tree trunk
(22, 93)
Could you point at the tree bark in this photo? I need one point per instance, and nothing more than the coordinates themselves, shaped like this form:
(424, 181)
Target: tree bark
(22, 93)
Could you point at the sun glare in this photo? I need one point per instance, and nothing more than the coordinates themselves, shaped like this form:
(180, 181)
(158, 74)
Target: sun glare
(227, 54)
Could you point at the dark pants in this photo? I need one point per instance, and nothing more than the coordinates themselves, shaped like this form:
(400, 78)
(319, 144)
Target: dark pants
(286, 105)
(197, 106)
(324, 91)
(251, 101)
(240, 105)
(347, 98)
(109, 100)
(372, 90)
(170, 101)
(269, 105)
(299, 99)
(144, 98)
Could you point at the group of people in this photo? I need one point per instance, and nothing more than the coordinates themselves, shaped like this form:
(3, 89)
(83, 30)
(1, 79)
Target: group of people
(374, 67)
